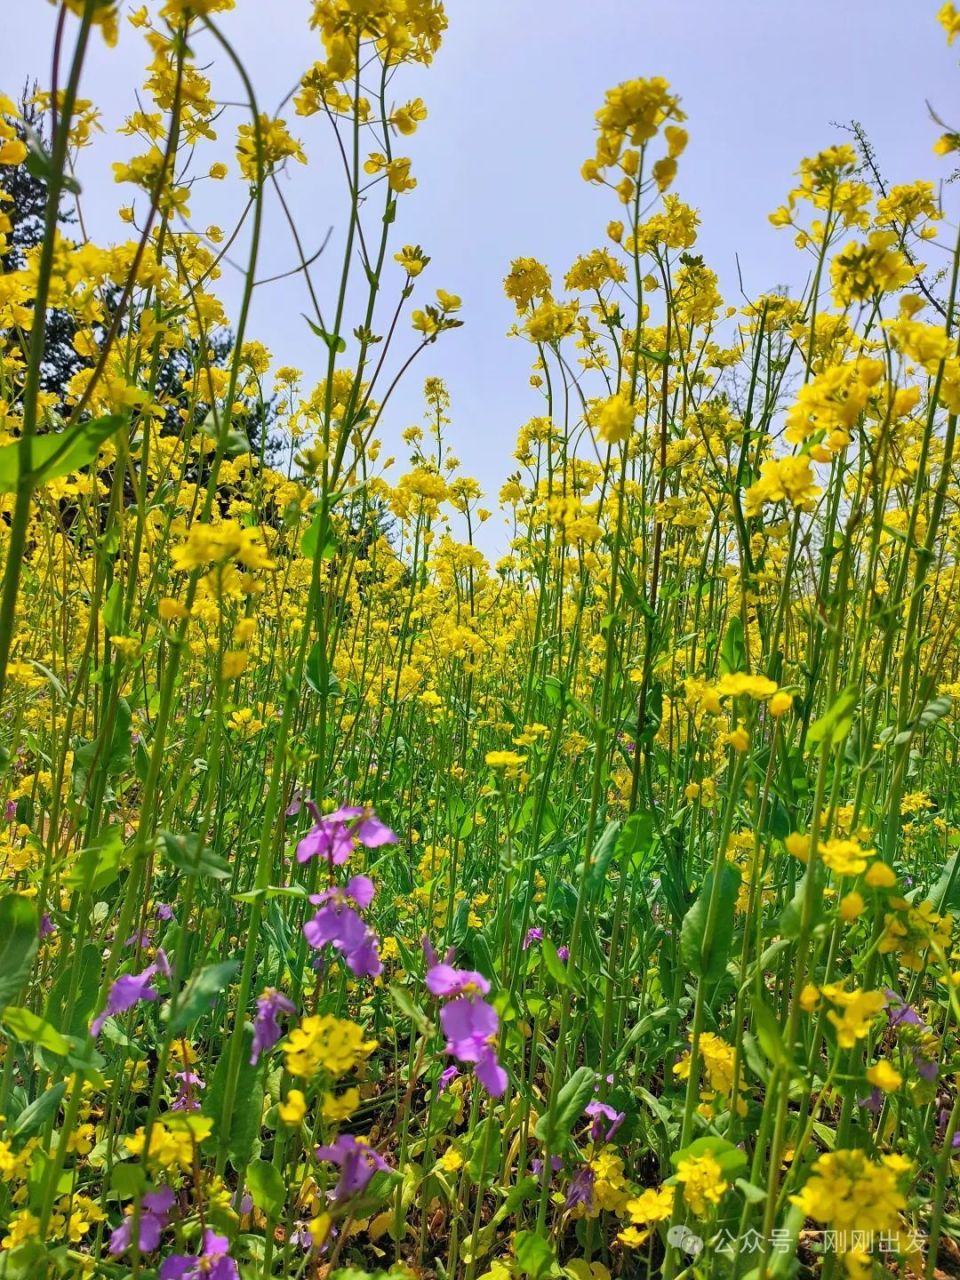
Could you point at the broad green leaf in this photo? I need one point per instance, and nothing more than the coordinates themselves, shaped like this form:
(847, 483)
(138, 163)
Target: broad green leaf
(535, 1256)
(240, 1143)
(200, 992)
(267, 1187)
(834, 725)
(31, 1118)
(605, 848)
(557, 970)
(768, 1034)
(30, 1029)
(19, 938)
(85, 994)
(58, 453)
(554, 1130)
(112, 612)
(99, 864)
(189, 854)
(730, 1158)
(693, 930)
(408, 1007)
(733, 651)
(128, 1180)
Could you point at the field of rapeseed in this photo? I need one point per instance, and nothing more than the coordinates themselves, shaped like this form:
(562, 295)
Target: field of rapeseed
(370, 909)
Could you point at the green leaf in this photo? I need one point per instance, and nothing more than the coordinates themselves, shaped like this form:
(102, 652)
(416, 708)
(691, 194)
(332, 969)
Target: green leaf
(112, 613)
(658, 357)
(319, 675)
(557, 970)
(733, 651)
(190, 855)
(79, 446)
(240, 1143)
(31, 1118)
(554, 1130)
(267, 1187)
(91, 754)
(99, 864)
(692, 932)
(334, 342)
(85, 995)
(200, 992)
(605, 848)
(535, 1256)
(128, 1180)
(834, 725)
(730, 1158)
(19, 938)
(39, 163)
(768, 1034)
(29, 1029)
(945, 894)
(408, 1007)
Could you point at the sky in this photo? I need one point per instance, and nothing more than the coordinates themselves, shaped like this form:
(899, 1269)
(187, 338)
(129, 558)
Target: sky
(511, 99)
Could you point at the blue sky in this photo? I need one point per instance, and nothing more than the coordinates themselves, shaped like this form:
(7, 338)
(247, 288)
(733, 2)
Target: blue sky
(511, 98)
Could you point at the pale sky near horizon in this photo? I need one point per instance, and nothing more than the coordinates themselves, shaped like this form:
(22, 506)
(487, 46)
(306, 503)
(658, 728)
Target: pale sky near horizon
(511, 96)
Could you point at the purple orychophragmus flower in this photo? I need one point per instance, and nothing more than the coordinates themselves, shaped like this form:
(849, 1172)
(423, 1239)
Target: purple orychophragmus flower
(186, 1099)
(154, 1213)
(332, 835)
(46, 925)
(447, 1077)
(214, 1263)
(533, 935)
(469, 1022)
(580, 1190)
(899, 1013)
(339, 924)
(266, 1029)
(129, 990)
(600, 1112)
(357, 1162)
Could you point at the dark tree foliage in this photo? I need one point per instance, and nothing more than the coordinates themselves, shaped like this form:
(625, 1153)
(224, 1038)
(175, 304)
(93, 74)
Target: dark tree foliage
(24, 202)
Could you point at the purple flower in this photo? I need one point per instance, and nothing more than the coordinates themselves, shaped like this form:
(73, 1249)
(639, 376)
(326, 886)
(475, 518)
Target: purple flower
(563, 953)
(186, 1099)
(599, 1111)
(339, 925)
(873, 1101)
(10, 811)
(580, 1190)
(154, 1212)
(469, 1022)
(357, 1161)
(333, 834)
(447, 1077)
(533, 935)
(46, 925)
(556, 1164)
(926, 1069)
(266, 1029)
(444, 980)
(129, 990)
(214, 1263)
(899, 1012)
(955, 1140)
(164, 911)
